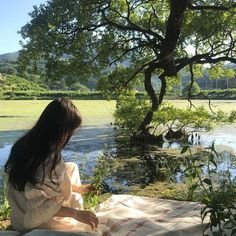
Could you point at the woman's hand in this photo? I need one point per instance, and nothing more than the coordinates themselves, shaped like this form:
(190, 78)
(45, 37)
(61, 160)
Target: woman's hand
(86, 217)
(85, 188)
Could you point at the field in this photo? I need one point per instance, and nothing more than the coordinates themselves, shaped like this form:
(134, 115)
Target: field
(17, 115)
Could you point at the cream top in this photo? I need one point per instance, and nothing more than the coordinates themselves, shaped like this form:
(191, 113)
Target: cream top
(38, 204)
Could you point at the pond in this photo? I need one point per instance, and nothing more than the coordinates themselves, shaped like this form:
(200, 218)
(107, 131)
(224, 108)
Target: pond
(133, 164)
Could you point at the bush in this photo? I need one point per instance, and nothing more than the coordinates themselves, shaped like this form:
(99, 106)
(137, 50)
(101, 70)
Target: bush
(44, 95)
(4, 206)
(218, 195)
(130, 111)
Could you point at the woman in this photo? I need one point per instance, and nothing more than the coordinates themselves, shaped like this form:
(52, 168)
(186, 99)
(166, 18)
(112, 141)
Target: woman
(43, 191)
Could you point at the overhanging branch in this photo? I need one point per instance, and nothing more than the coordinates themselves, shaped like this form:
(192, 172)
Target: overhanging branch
(130, 26)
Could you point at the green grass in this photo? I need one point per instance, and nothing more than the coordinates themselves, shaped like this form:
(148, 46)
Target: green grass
(17, 115)
(224, 105)
(22, 114)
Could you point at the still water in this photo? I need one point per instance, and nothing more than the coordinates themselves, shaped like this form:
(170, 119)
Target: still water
(90, 142)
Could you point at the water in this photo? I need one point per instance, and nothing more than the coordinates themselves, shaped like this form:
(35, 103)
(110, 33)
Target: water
(90, 142)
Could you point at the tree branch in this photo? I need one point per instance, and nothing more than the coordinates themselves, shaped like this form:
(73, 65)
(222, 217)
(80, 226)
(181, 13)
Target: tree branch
(131, 26)
(201, 59)
(162, 78)
(139, 70)
(191, 85)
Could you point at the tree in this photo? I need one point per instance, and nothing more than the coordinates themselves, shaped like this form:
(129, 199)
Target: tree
(151, 37)
(195, 89)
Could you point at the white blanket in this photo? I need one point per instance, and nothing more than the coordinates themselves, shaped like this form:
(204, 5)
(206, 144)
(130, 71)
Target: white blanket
(127, 215)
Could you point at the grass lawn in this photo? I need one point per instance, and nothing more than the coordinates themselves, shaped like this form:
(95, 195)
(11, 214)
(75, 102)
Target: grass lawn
(17, 115)
(224, 105)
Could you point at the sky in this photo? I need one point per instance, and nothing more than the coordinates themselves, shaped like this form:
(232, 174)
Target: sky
(14, 15)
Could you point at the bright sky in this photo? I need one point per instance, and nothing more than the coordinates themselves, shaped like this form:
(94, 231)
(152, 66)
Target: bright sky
(14, 15)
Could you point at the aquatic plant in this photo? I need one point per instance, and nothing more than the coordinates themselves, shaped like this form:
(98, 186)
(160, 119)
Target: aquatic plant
(100, 171)
(219, 199)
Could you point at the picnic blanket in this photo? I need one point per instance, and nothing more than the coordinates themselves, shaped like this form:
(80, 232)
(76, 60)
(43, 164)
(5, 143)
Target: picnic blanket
(127, 215)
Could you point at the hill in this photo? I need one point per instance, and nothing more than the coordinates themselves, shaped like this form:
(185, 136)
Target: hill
(9, 56)
(13, 82)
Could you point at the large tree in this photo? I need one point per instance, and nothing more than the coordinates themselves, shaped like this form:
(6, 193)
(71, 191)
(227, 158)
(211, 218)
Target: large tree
(152, 37)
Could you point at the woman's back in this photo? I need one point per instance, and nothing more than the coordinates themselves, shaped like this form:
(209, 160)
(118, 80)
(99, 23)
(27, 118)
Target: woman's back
(40, 184)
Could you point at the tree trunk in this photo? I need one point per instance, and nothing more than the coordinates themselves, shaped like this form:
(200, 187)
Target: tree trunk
(156, 102)
(144, 127)
(166, 59)
(173, 29)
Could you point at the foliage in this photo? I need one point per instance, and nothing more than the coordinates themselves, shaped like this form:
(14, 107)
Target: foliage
(7, 67)
(110, 87)
(16, 83)
(90, 38)
(44, 95)
(130, 110)
(4, 206)
(100, 171)
(113, 31)
(177, 118)
(197, 118)
(220, 94)
(232, 116)
(219, 199)
(195, 90)
(219, 72)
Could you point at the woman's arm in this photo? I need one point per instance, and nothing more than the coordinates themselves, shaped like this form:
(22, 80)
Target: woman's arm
(86, 217)
(84, 188)
(65, 212)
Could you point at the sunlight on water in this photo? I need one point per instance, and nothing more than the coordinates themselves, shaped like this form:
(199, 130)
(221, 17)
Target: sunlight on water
(87, 145)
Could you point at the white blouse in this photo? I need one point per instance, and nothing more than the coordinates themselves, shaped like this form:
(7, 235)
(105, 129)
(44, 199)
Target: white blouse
(39, 203)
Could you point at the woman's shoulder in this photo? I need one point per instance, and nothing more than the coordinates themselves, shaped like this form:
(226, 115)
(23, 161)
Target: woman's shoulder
(45, 171)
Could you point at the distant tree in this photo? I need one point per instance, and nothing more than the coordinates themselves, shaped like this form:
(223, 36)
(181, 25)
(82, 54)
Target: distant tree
(7, 67)
(151, 37)
(218, 73)
(195, 90)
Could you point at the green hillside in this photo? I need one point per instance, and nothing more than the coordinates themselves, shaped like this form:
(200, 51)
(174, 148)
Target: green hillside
(11, 56)
(16, 83)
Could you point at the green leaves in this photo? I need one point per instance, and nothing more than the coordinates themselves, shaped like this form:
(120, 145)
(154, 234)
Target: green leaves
(130, 111)
(184, 149)
(219, 198)
(4, 205)
(207, 181)
(100, 172)
(90, 39)
(195, 89)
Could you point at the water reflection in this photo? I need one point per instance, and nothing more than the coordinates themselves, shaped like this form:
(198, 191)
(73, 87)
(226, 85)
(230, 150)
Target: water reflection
(132, 163)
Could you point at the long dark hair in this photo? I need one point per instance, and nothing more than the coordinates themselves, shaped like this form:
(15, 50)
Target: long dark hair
(42, 143)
